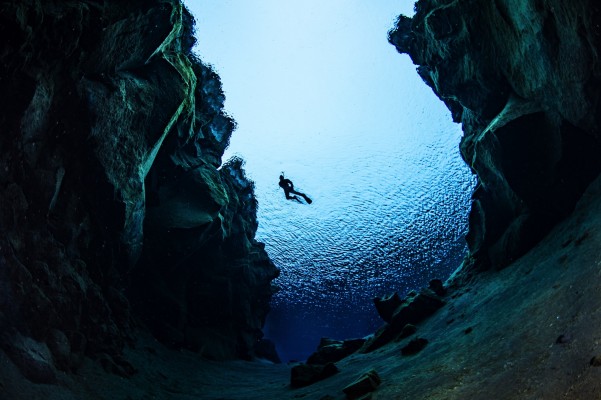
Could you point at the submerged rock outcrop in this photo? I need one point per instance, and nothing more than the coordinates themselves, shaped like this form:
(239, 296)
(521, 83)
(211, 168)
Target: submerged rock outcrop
(203, 281)
(523, 78)
(113, 205)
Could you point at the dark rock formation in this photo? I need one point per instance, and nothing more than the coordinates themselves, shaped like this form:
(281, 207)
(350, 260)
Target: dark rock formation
(414, 346)
(33, 358)
(366, 383)
(407, 331)
(112, 136)
(523, 78)
(304, 374)
(413, 309)
(265, 349)
(437, 287)
(387, 305)
(203, 282)
(330, 350)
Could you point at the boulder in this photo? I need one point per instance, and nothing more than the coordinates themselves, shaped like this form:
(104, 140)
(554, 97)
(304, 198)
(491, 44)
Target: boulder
(31, 357)
(387, 305)
(414, 309)
(304, 374)
(437, 287)
(407, 331)
(60, 347)
(414, 346)
(330, 350)
(595, 361)
(366, 383)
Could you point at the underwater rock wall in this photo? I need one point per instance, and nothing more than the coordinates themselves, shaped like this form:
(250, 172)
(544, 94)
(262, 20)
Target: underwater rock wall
(203, 282)
(523, 78)
(112, 206)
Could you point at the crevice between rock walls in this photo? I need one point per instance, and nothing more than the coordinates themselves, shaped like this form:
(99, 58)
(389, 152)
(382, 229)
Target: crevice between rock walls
(523, 79)
(114, 212)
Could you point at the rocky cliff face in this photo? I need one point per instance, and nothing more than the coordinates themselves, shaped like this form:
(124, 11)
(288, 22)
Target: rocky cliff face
(203, 281)
(113, 206)
(523, 78)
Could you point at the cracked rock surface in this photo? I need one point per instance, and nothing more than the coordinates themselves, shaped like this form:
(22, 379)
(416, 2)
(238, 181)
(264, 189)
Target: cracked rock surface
(114, 211)
(523, 79)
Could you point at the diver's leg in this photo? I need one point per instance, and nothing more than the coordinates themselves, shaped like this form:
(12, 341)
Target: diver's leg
(288, 197)
(307, 199)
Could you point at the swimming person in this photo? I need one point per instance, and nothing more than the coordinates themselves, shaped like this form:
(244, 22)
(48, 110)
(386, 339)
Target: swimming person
(288, 187)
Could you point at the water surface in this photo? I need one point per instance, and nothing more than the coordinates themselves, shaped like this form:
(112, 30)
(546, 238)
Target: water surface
(319, 94)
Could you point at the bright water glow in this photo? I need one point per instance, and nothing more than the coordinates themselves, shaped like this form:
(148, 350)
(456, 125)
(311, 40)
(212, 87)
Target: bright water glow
(319, 93)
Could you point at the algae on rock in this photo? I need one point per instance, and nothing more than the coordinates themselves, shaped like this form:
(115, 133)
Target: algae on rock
(113, 133)
(526, 88)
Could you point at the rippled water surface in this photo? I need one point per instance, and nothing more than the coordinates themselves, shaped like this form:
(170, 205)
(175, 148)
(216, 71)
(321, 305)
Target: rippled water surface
(320, 95)
(388, 214)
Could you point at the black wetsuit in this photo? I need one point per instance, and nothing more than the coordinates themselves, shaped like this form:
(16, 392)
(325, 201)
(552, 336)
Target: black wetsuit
(288, 187)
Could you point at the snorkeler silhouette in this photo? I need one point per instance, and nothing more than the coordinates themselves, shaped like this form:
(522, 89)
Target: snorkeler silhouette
(288, 187)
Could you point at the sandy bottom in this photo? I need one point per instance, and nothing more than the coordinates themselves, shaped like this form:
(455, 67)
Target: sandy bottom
(497, 338)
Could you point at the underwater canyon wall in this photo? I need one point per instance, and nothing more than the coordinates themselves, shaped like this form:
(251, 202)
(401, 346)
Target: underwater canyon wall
(523, 79)
(114, 213)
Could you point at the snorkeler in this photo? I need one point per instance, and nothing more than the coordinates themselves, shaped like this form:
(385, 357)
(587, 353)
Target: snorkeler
(288, 187)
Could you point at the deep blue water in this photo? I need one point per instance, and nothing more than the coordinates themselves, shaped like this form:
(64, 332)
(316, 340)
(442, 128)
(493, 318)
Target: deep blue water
(389, 213)
(319, 94)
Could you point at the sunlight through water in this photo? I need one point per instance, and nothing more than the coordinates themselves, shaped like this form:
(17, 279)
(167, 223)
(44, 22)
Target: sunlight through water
(320, 95)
